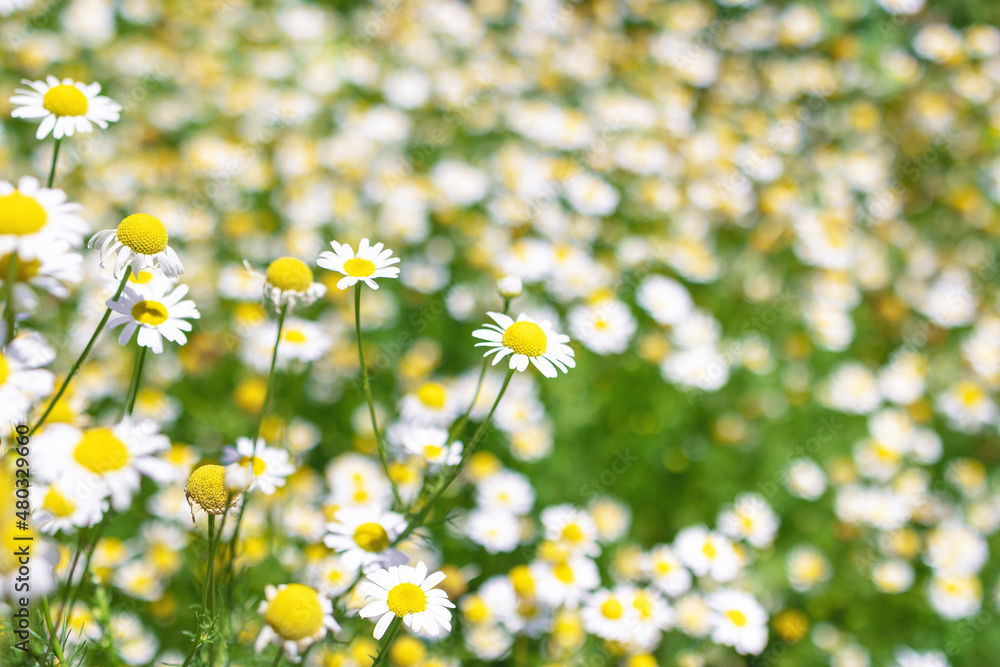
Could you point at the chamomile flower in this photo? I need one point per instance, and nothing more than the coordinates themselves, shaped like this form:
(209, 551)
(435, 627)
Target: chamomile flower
(331, 576)
(60, 506)
(206, 491)
(364, 536)
(270, 465)
(495, 530)
(140, 240)
(33, 218)
(573, 529)
(368, 264)
(605, 615)
(526, 341)
(407, 593)
(155, 314)
(22, 378)
(65, 107)
(666, 571)
(708, 553)
(289, 282)
(295, 616)
(738, 621)
(565, 582)
(432, 403)
(109, 461)
(431, 444)
(51, 270)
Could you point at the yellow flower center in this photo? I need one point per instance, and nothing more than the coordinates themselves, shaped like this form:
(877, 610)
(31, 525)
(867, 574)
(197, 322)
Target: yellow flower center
(572, 533)
(709, 550)
(63, 100)
(153, 313)
(4, 369)
(290, 274)
(144, 277)
(432, 451)
(406, 599)
(359, 268)
(294, 336)
(207, 487)
(57, 504)
(407, 651)
(643, 604)
(525, 338)
(611, 609)
(143, 234)
(258, 464)
(737, 617)
(563, 572)
(100, 451)
(522, 581)
(371, 537)
(477, 611)
(26, 269)
(21, 214)
(295, 613)
(430, 394)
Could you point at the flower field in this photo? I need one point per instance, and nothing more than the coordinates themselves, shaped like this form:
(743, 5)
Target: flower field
(542, 333)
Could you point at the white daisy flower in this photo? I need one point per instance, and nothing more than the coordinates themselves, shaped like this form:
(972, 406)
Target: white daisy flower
(407, 593)
(432, 403)
(270, 465)
(22, 378)
(605, 615)
(573, 529)
(369, 263)
(330, 576)
(566, 582)
(155, 313)
(53, 269)
(363, 537)
(60, 506)
(33, 218)
(141, 240)
(105, 461)
(301, 341)
(506, 490)
(295, 616)
(495, 530)
(708, 554)
(289, 282)
(666, 571)
(65, 106)
(526, 340)
(738, 621)
(431, 444)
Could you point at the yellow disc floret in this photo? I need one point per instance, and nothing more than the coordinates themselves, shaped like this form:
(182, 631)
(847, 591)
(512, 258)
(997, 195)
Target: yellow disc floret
(206, 489)
(64, 100)
(359, 268)
(4, 369)
(371, 537)
(57, 504)
(295, 613)
(612, 609)
(432, 395)
(21, 214)
(525, 338)
(153, 313)
(290, 275)
(143, 234)
(406, 599)
(100, 451)
(737, 617)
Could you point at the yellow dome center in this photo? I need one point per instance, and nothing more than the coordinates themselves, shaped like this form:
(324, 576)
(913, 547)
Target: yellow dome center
(371, 537)
(643, 604)
(143, 234)
(21, 214)
(100, 451)
(406, 599)
(153, 313)
(407, 651)
(258, 465)
(359, 268)
(525, 338)
(294, 336)
(612, 609)
(295, 613)
(207, 487)
(709, 550)
(26, 268)
(432, 451)
(57, 504)
(63, 100)
(4, 369)
(572, 533)
(290, 274)
(563, 572)
(522, 580)
(430, 394)
(737, 617)
(144, 277)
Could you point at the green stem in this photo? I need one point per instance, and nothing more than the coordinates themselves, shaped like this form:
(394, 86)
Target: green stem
(9, 311)
(56, 646)
(98, 531)
(69, 577)
(277, 658)
(455, 471)
(387, 639)
(55, 159)
(368, 394)
(83, 356)
(133, 388)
